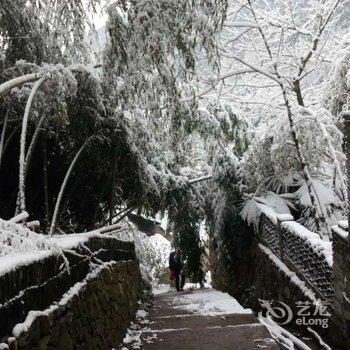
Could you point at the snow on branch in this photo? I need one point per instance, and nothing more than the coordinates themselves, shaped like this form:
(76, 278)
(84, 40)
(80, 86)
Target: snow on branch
(242, 24)
(27, 78)
(211, 87)
(20, 217)
(258, 69)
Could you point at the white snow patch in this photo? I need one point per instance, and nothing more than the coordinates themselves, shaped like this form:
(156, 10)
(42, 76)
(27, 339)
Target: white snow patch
(73, 240)
(343, 224)
(209, 302)
(15, 238)
(161, 289)
(133, 334)
(19, 246)
(285, 217)
(141, 313)
(271, 205)
(319, 245)
(11, 262)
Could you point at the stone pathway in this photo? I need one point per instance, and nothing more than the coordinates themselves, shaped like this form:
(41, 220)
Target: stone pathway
(197, 320)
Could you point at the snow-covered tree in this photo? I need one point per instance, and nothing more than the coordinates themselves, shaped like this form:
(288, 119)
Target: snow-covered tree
(275, 59)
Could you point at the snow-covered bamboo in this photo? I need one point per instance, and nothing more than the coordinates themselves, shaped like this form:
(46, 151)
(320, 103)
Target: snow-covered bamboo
(20, 217)
(63, 186)
(27, 78)
(22, 163)
(33, 143)
(3, 136)
(200, 179)
(335, 160)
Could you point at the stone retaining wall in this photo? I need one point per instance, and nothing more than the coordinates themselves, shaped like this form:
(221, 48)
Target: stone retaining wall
(94, 314)
(258, 272)
(88, 306)
(254, 276)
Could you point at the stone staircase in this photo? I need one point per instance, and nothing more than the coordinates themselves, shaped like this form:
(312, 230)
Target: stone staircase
(174, 326)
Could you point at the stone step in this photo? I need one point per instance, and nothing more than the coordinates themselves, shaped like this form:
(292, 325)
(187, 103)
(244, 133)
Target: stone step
(174, 326)
(231, 337)
(199, 321)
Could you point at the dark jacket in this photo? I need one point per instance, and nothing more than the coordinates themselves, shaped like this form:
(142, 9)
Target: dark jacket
(178, 265)
(171, 260)
(175, 265)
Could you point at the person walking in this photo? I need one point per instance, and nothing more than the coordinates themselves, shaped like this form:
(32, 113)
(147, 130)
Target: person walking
(177, 269)
(171, 268)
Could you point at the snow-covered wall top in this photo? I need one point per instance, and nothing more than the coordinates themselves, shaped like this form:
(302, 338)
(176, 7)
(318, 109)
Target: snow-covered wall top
(313, 239)
(319, 245)
(41, 277)
(19, 246)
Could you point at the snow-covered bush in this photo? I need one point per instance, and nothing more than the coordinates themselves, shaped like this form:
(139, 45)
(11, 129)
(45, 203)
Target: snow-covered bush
(152, 252)
(15, 238)
(337, 91)
(225, 166)
(252, 208)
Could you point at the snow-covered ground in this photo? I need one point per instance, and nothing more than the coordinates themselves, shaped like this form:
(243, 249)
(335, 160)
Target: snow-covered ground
(209, 302)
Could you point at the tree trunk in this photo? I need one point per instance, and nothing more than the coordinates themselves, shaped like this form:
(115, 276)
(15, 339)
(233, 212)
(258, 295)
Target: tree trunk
(297, 90)
(304, 168)
(315, 209)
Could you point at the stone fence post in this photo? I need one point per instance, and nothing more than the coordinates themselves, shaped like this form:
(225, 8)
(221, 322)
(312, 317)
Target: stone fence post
(281, 218)
(341, 259)
(341, 267)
